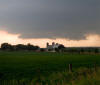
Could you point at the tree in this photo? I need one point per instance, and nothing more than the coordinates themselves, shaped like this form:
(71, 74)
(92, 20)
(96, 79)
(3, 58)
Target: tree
(6, 46)
(29, 46)
(96, 50)
(60, 48)
(42, 49)
(82, 50)
(32, 47)
(21, 47)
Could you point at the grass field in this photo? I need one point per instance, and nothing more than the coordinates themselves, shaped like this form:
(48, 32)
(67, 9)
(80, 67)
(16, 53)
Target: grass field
(28, 65)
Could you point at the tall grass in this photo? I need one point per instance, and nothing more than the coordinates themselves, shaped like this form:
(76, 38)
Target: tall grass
(81, 76)
(30, 68)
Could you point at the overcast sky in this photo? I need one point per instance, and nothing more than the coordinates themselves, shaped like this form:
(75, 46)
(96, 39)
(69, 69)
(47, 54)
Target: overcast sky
(50, 18)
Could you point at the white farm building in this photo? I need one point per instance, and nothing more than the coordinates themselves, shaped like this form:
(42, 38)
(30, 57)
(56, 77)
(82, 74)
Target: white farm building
(52, 47)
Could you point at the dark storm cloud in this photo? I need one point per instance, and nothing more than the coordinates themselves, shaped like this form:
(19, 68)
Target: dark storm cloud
(50, 18)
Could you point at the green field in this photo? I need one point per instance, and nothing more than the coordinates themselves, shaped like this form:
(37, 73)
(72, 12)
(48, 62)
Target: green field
(27, 64)
(19, 65)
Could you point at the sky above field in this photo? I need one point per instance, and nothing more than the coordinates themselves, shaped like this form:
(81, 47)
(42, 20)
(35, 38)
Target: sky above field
(69, 22)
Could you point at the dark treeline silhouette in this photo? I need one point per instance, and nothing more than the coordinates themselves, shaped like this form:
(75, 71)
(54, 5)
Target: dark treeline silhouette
(61, 48)
(18, 47)
(82, 50)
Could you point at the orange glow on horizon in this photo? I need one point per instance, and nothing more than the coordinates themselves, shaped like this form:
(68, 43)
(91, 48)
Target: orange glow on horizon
(91, 40)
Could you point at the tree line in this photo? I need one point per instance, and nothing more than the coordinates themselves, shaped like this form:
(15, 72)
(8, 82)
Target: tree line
(18, 47)
(82, 50)
(61, 48)
(28, 47)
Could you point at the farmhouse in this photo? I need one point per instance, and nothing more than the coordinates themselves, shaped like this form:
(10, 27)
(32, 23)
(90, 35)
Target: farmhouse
(52, 47)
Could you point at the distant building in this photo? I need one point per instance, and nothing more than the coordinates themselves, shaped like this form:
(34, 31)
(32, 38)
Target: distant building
(52, 47)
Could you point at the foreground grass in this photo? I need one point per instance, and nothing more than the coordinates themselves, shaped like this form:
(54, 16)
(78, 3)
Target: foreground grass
(81, 76)
(27, 64)
(26, 68)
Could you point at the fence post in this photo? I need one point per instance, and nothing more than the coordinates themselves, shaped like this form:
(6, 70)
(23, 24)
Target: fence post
(38, 75)
(95, 66)
(70, 67)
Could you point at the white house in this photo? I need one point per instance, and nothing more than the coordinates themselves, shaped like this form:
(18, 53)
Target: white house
(52, 47)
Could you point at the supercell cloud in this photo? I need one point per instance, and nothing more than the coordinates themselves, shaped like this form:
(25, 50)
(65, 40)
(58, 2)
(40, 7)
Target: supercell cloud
(50, 18)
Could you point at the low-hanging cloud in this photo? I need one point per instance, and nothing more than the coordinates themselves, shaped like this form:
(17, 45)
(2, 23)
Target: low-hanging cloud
(89, 41)
(50, 18)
